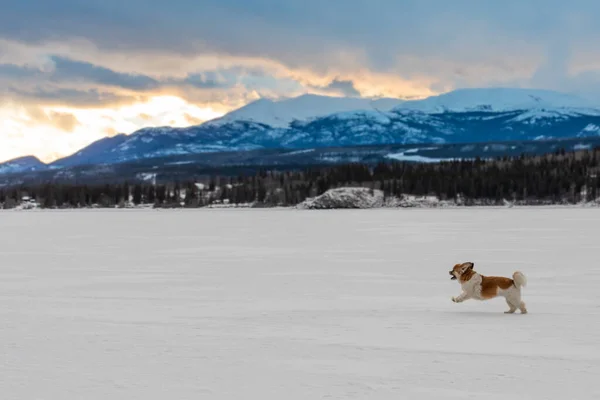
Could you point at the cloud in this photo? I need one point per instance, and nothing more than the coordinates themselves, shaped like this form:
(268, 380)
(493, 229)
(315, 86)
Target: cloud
(67, 69)
(209, 80)
(67, 82)
(466, 41)
(64, 121)
(341, 87)
(110, 132)
(48, 131)
(83, 83)
(192, 120)
(13, 71)
(71, 97)
(62, 70)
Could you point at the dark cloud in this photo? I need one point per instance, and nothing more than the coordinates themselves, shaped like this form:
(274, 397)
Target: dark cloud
(344, 87)
(13, 71)
(66, 69)
(71, 97)
(208, 80)
(67, 80)
(227, 78)
(66, 72)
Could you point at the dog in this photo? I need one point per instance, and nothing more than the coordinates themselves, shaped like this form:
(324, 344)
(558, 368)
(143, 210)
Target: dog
(479, 287)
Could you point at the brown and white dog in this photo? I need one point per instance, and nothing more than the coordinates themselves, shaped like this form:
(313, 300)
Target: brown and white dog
(479, 287)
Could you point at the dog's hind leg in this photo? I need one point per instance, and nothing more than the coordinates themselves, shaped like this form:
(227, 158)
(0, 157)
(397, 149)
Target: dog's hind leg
(523, 308)
(513, 298)
(512, 307)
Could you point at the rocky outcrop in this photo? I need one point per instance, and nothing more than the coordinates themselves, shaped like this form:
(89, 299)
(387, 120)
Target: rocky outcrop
(347, 197)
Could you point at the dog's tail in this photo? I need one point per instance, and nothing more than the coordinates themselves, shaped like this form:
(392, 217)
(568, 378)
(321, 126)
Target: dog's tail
(520, 279)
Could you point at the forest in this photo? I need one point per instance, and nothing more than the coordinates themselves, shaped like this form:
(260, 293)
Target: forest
(557, 178)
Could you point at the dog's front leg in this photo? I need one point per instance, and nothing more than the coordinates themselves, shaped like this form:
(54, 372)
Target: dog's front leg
(463, 296)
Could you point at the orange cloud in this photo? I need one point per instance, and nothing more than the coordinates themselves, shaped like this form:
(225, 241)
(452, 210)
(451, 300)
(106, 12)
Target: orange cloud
(50, 132)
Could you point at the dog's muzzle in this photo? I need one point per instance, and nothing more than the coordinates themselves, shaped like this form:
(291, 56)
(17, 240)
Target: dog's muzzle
(453, 277)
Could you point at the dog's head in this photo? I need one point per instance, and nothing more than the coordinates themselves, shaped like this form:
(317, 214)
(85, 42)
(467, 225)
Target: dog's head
(460, 269)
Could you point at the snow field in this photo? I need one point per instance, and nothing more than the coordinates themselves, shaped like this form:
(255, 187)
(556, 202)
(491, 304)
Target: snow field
(290, 304)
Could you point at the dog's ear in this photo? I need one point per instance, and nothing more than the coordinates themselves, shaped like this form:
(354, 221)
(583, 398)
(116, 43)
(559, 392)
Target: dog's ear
(468, 265)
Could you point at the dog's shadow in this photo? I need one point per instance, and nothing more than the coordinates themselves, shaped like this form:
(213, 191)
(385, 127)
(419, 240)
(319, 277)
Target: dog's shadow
(485, 314)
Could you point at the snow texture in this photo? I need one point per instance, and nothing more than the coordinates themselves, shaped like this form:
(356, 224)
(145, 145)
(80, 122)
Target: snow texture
(296, 305)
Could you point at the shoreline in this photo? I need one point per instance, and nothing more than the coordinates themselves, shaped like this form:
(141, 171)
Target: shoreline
(296, 208)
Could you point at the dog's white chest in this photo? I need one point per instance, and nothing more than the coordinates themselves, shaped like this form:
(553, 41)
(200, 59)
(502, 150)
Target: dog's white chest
(473, 287)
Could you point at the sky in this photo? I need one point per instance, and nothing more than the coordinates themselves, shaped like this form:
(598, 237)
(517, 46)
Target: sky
(74, 71)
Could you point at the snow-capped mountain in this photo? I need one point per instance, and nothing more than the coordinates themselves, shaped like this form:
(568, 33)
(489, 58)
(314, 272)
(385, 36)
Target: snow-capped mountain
(279, 114)
(462, 116)
(498, 100)
(22, 164)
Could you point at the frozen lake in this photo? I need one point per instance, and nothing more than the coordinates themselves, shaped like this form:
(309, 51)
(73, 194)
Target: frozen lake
(282, 305)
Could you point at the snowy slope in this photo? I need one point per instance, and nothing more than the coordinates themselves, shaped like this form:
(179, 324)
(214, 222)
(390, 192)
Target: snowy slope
(296, 305)
(93, 153)
(280, 113)
(497, 100)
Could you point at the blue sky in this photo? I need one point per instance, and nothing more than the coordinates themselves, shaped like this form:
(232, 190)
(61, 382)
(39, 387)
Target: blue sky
(74, 71)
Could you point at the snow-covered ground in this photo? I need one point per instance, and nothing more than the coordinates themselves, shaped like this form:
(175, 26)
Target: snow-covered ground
(289, 304)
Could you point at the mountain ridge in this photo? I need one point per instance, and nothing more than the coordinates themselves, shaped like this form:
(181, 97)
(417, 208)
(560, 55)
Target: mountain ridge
(498, 100)
(280, 113)
(21, 164)
(464, 115)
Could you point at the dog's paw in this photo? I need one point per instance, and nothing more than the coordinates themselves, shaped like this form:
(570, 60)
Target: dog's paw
(454, 299)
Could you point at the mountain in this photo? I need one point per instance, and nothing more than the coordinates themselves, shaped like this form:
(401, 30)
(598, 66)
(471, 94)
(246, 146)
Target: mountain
(498, 100)
(22, 164)
(311, 122)
(279, 114)
(254, 126)
(91, 154)
(166, 141)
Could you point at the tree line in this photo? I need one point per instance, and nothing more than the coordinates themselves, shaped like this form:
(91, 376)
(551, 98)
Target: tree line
(560, 177)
